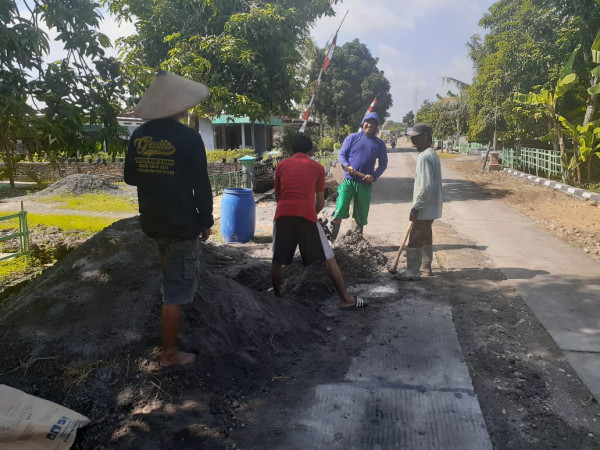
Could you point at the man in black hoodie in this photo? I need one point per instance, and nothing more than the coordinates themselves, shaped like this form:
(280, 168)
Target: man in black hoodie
(166, 160)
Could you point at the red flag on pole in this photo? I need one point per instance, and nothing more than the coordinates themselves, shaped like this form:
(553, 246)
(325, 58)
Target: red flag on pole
(329, 53)
(305, 116)
(369, 109)
(326, 62)
(373, 103)
(323, 68)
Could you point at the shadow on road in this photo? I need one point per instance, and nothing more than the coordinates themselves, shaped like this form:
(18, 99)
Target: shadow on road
(458, 247)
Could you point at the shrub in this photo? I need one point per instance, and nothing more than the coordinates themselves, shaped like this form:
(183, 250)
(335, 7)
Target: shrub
(217, 155)
(290, 133)
(326, 144)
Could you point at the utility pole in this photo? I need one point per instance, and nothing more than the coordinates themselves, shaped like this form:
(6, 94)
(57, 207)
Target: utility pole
(416, 100)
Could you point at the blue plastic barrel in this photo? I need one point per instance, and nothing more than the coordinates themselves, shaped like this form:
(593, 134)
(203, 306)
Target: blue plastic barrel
(238, 215)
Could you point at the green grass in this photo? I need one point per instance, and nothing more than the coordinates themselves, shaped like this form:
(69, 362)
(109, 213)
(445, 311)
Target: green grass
(593, 186)
(100, 202)
(63, 221)
(448, 155)
(10, 267)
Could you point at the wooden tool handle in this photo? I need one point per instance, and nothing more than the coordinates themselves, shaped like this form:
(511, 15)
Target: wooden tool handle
(356, 172)
(397, 258)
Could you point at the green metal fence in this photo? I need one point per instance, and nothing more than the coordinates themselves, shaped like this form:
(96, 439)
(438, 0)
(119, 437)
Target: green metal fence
(262, 171)
(22, 234)
(466, 147)
(227, 180)
(533, 160)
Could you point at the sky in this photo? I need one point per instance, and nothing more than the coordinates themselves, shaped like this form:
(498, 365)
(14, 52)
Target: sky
(417, 42)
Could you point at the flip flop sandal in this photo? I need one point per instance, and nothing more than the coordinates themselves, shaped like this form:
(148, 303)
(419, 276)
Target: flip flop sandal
(326, 229)
(360, 303)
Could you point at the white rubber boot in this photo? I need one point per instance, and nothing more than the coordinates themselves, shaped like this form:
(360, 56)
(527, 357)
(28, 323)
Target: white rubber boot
(413, 265)
(426, 261)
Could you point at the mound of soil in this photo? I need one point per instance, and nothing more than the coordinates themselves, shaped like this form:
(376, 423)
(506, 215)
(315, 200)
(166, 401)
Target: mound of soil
(79, 184)
(86, 335)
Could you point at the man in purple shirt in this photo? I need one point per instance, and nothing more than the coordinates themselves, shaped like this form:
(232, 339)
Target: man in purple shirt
(358, 155)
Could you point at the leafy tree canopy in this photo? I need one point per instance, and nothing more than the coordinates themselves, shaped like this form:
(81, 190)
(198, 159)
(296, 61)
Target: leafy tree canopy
(246, 52)
(409, 119)
(439, 117)
(47, 105)
(349, 85)
(524, 50)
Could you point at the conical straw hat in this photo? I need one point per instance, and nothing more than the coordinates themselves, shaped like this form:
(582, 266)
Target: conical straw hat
(168, 95)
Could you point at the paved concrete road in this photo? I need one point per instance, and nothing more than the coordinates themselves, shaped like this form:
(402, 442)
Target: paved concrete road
(409, 388)
(559, 283)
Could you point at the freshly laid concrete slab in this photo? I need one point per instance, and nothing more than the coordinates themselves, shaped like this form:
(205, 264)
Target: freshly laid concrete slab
(409, 388)
(360, 417)
(416, 346)
(587, 366)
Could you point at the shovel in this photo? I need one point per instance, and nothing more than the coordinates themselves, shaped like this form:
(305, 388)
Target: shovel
(397, 258)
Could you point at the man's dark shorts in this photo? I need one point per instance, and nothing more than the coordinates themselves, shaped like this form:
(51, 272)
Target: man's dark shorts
(290, 232)
(181, 267)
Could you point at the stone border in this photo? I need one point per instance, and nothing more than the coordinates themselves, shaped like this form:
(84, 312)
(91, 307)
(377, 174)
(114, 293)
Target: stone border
(575, 192)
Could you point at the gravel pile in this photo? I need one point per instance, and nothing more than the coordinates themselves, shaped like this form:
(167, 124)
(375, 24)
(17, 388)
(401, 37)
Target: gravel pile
(79, 184)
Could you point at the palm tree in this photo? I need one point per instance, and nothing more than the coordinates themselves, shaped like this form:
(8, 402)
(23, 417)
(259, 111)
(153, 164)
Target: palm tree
(456, 103)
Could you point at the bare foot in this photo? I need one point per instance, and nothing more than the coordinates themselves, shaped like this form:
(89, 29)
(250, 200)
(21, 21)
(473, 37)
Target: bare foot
(177, 358)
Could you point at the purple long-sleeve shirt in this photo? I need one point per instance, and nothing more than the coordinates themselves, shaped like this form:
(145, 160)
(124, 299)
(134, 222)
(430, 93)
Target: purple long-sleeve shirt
(361, 152)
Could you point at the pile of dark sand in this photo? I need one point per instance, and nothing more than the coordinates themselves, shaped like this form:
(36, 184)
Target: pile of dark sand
(86, 334)
(79, 184)
(358, 262)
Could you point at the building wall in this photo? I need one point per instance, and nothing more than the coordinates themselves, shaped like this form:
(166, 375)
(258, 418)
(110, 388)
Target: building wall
(207, 134)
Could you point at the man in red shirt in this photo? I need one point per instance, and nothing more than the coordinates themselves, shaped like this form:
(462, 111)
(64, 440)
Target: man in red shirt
(298, 182)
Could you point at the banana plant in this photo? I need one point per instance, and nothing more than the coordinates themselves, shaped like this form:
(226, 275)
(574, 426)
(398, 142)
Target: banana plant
(547, 99)
(588, 138)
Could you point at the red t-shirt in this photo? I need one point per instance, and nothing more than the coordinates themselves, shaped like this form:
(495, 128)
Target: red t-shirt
(297, 179)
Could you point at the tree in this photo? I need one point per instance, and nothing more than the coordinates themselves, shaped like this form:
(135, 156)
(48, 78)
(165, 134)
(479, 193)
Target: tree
(439, 117)
(348, 87)
(588, 18)
(547, 100)
(524, 49)
(47, 105)
(456, 104)
(246, 52)
(409, 119)
(395, 127)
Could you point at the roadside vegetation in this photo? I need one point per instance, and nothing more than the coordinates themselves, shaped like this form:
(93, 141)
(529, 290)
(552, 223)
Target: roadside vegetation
(99, 202)
(16, 266)
(531, 88)
(54, 235)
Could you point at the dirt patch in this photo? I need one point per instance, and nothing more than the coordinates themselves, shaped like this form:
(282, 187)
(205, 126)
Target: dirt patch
(79, 184)
(573, 220)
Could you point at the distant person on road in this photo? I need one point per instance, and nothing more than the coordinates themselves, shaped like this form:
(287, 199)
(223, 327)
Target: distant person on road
(359, 154)
(166, 160)
(427, 204)
(299, 190)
